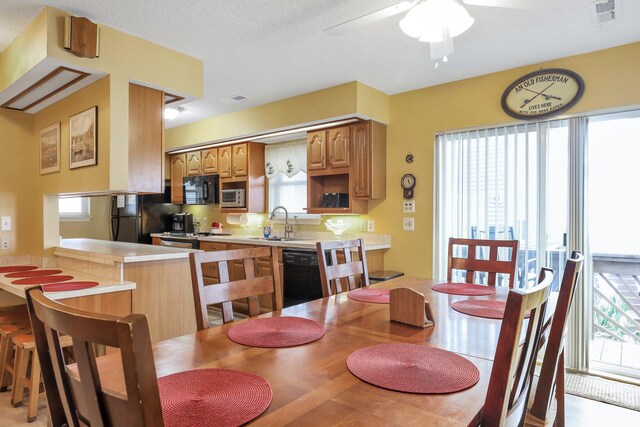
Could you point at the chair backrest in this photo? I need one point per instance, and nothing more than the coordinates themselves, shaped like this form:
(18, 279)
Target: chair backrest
(471, 264)
(515, 358)
(227, 291)
(555, 342)
(332, 276)
(80, 399)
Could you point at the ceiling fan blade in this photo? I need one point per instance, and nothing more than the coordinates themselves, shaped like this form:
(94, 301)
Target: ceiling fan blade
(370, 18)
(512, 4)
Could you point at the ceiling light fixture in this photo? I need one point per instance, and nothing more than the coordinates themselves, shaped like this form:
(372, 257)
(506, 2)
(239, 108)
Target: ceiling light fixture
(171, 113)
(437, 22)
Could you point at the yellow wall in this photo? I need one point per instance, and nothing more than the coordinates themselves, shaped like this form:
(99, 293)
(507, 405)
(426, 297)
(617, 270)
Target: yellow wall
(17, 166)
(98, 225)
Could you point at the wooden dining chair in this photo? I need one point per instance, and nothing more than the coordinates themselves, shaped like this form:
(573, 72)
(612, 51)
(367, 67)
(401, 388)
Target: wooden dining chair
(492, 266)
(76, 400)
(334, 276)
(552, 371)
(515, 358)
(226, 291)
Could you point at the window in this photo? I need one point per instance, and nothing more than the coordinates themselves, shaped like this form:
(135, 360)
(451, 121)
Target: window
(289, 192)
(74, 209)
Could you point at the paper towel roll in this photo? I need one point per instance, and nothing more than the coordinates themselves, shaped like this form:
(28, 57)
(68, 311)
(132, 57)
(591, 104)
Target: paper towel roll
(238, 219)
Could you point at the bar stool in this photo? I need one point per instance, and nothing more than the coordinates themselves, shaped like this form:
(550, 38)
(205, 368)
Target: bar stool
(25, 378)
(8, 330)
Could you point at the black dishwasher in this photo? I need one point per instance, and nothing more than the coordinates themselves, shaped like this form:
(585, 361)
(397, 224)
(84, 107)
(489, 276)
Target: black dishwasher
(301, 276)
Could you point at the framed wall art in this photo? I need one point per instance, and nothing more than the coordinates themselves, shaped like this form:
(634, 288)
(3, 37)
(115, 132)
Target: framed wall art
(83, 138)
(50, 149)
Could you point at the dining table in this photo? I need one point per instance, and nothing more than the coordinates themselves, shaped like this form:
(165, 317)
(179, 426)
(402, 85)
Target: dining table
(312, 384)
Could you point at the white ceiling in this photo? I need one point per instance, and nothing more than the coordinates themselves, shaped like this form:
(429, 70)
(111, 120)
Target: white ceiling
(270, 50)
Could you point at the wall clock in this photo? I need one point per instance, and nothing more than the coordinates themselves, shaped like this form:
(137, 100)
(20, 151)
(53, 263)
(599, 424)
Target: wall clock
(543, 93)
(408, 182)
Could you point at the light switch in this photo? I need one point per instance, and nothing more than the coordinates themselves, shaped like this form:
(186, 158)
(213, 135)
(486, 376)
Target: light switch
(5, 223)
(408, 224)
(409, 206)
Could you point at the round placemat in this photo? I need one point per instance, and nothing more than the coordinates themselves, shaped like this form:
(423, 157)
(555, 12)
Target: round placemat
(463, 289)
(15, 268)
(213, 397)
(413, 368)
(482, 308)
(41, 280)
(34, 273)
(68, 286)
(376, 296)
(276, 332)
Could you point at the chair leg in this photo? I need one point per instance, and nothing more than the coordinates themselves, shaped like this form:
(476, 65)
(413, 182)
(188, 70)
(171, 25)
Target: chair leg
(560, 392)
(5, 345)
(20, 362)
(34, 388)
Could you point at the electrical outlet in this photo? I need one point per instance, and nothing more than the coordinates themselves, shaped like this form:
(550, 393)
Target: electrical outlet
(259, 222)
(363, 225)
(5, 223)
(6, 243)
(370, 227)
(205, 221)
(408, 224)
(409, 206)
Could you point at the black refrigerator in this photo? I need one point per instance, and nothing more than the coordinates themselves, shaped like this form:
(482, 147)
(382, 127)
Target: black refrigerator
(134, 218)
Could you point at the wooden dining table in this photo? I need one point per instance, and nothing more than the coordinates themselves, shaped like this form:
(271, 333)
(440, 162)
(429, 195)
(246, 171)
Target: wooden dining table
(311, 383)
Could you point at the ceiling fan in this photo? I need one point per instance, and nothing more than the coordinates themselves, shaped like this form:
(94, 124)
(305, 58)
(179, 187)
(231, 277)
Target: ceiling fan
(433, 21)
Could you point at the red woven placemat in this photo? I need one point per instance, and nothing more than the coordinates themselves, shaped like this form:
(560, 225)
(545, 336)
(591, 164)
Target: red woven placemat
(482, 308)
(34, 273)
(276, 332)
(377, 296)
(463, 289)
(41, 280)
(213, 397)
(14, 268)
(413, 368)
(68, 286)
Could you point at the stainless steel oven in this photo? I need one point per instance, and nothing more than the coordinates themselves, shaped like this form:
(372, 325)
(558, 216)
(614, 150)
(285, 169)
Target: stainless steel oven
(180, 242)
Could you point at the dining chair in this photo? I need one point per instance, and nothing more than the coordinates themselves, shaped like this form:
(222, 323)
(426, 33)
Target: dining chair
(334, 276)
(226, 291)
(492, 266)
(552, 371)
(79, 399)
(515, 357)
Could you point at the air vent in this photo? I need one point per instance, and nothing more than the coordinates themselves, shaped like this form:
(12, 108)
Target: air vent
(232, 99)
(603, 12)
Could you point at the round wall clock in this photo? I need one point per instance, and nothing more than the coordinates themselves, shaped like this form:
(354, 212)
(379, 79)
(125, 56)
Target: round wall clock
(543, 93)
(408, 182)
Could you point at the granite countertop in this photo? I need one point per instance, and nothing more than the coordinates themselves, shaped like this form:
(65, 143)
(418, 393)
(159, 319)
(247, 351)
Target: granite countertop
(108, 251)
(302, 243)
(104, 285)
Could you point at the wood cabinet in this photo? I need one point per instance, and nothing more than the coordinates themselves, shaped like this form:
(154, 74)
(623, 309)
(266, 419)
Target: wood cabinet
(316, 150)
(156, 241)
(356, 167)
(178, 171)
(338, 147)
(242, 167)
(224, 162)
(210, 161)
(146, 140)
(239, 160)
(193, 163)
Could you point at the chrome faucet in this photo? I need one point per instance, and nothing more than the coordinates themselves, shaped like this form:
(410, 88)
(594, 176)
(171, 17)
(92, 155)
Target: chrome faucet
(288, 229)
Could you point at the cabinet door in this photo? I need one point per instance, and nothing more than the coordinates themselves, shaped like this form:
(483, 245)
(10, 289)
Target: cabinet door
(224, 162)
(360, 142)
(193, 163)
(338, 149)
(210, 161)
(178, 171)
(316, 150)
(240, 160)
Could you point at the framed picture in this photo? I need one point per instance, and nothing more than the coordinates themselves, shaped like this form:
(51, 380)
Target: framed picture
(50, 149)
(83, 139)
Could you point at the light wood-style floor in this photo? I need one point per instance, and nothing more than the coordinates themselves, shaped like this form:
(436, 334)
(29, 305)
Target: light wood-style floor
(580, 412)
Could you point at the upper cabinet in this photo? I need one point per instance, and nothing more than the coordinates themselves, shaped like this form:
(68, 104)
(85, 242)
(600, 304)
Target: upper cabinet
(210, 161)
(240, 159)
(146, 139)
(178, 171)
(353, 174)
(224, 162)
(193, 163)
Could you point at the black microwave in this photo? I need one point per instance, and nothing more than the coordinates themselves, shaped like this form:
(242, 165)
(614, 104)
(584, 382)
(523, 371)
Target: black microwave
(200, 190)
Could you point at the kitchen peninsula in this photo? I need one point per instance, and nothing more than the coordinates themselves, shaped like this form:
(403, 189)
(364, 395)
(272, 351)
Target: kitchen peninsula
(161, 275)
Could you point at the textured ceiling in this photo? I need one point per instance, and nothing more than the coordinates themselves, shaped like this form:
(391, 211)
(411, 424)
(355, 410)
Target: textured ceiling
(270, 50)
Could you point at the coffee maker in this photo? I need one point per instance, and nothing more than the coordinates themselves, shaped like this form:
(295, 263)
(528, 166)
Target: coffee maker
(182, 223)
